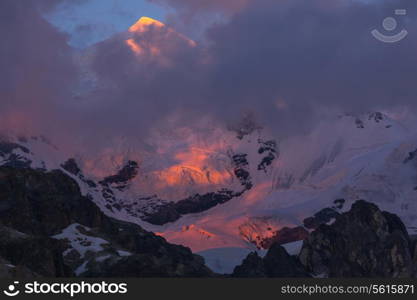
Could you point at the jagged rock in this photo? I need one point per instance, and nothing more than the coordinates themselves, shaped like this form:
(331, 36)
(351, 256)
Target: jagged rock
(127, 173)
(338, 203)
(364, 242)
(163, 214)
(284, 236)
(200, 203)
(73, 259)
(240, 163)
(39, 203)
(12, 159)
(8, 270)
(269, 148)
(71, 166)
(42, 204)
(376, 116)
(148, 265)
(8, 147)
(359, 123)
(322, 217)
(276, 264)
(172, 211)
(411, 156)
(33, 254)
(251, 267)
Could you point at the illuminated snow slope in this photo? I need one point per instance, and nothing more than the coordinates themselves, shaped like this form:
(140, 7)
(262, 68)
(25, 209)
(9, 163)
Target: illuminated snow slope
(348, 157)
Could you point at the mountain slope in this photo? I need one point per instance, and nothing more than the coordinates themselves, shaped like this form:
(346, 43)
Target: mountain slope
(271, 192)
(68, 234)
(383, 249)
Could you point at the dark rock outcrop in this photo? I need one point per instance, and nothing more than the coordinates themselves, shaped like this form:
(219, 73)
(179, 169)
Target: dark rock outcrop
(71, 166)
(172, 211)
(149, 265)
(159, 211)
(251, 267)
(36, 205)
(376, 116)
(411, 156)
(162, 214)
(240, 163)
(8, 270)
(339, 203)
(276, 264)
(364, 242)
(269, 150)
(39, 203)
(200, 203)
(121, 179)
(11, 157)
(284, 236)
(322, 217)
(40, 256)
(8, 147)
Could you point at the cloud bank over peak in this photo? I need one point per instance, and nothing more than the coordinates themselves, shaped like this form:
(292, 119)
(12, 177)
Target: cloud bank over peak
(285, 62)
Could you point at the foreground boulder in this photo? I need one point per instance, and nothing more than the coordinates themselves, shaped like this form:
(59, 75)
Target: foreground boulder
(364, 242)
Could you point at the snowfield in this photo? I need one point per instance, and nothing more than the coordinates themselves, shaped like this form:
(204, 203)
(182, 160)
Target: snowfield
(367, 157)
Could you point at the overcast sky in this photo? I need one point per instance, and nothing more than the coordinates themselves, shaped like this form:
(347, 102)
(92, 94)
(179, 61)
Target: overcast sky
(284, 61)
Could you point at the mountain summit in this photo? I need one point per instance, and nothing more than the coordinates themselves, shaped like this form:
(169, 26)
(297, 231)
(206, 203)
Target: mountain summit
(144, 23)
(155, 44)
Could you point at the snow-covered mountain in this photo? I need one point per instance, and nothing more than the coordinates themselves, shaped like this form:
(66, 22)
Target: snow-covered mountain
(269, 189)
(224, 192)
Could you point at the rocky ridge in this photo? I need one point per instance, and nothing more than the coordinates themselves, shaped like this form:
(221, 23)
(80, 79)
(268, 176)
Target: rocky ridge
(363, 242)
(68, 235)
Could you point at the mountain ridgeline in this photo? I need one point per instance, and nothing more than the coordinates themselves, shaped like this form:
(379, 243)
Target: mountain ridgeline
(56, 221)
(49, 229)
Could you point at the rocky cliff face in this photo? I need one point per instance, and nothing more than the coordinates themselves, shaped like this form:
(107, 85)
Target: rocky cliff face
(26, 255)
(68, 235)
(276, 263)
(48, 228)
(364, 242)
(172, 211)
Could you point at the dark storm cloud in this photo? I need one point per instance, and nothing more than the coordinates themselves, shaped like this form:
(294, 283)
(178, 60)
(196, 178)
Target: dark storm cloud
(36, 70)
(199, 6)
(314, 54)
(284, 60)
(138, 92)
(193, 17)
